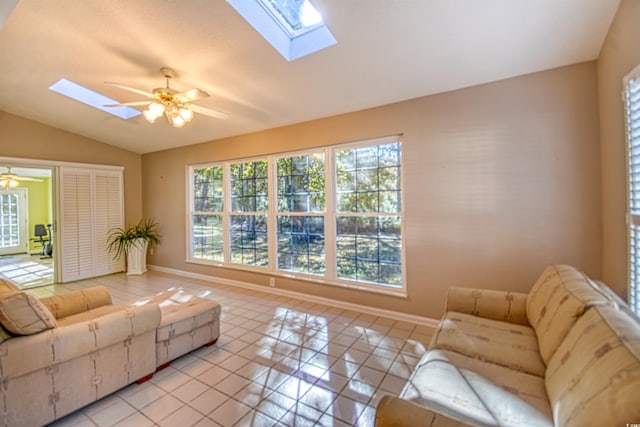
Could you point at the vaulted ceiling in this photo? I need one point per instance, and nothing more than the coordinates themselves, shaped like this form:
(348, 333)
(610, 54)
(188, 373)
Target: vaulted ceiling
(387, 51)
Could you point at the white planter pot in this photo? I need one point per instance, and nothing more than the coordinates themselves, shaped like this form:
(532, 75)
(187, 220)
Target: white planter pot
(137, 257)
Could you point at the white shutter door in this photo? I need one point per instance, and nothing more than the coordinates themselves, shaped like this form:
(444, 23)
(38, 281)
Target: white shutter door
(109, 214)
(632, 108)
(91, 205)
(76, 224)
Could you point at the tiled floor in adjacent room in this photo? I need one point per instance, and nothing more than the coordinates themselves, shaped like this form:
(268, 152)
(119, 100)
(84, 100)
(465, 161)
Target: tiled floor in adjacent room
(279, 361)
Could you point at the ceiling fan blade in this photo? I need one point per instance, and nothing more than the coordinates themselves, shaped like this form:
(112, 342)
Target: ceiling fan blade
(129, 104)
(132, 89)
(26, 178)
(208, 112)
(191, 95)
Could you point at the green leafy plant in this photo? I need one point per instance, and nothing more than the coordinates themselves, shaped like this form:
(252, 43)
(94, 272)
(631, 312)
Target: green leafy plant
(120, 240)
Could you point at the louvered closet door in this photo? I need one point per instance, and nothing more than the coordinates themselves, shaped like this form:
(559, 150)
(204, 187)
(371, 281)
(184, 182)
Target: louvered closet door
(108, 215)
(91, 204)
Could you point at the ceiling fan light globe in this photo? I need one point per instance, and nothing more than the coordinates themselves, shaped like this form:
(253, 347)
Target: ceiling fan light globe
(13, 183)
(4, 183)
(157, 108)
(150, 116)
(186, 114)
(178, 121)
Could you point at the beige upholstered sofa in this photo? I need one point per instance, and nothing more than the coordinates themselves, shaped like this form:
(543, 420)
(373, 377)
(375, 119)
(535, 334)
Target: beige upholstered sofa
(61, 353)
(565, 354)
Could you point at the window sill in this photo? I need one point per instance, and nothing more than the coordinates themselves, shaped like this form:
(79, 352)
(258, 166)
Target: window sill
(365, 287)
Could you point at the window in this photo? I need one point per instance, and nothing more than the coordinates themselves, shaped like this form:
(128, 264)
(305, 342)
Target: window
(96, 100)
(208, 206)
(368, 237)
(301, 208)
(9, 220)
(632, 109)
(332, 215)
(293, 27)
(249, 206)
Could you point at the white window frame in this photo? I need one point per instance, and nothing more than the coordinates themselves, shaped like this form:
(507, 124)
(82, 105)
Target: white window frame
(631, 84)
(330, 215)
(228, 208)
(325, 214)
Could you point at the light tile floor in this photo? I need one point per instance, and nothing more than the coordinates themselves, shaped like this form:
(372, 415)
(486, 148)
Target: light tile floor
(279, 361)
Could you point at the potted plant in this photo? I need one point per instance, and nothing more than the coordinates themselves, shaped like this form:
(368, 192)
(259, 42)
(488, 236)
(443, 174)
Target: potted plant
(133, 243)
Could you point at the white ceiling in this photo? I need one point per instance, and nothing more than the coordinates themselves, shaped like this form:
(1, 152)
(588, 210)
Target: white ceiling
(387, 51)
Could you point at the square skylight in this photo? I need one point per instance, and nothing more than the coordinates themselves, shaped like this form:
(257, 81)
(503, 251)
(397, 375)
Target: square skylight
(87, 96)
(293, 27)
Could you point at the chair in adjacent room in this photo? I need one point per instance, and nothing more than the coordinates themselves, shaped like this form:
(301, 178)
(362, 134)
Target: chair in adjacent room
(41, 237)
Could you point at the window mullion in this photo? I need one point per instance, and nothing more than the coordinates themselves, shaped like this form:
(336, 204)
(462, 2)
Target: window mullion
(330, 214)
(272, 213)
(226, 217)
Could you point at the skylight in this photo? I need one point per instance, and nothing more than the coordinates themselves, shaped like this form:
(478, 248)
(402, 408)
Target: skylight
(298, 16)
(87, 96)
(293, 27)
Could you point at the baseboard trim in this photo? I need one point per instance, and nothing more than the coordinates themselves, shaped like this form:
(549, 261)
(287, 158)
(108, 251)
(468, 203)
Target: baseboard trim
(396, 315)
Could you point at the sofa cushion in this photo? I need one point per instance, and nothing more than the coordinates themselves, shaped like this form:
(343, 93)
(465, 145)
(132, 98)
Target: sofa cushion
(74, 302)
(7, 287)
(491, 304)
(477, 392)
(594, 377)
(182, 313)
(23, 314)
(94, 314)
(506, 344)
(558, 298)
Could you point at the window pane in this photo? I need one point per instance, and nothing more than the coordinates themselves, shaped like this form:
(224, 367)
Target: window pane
(249, 187)
(207, 189)
(369, 248)
(249, 240)
(207, 237)
(368, 179)
(301, 183)
(9, 229)
(301, 244)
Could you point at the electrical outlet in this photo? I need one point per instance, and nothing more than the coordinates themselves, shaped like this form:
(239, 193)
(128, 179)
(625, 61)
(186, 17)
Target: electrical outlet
(272, 282)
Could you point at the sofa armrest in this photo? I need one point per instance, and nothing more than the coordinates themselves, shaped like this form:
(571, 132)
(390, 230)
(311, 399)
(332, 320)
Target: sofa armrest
(75, 302)
(497, 305)
(396, 412)
(21, 355)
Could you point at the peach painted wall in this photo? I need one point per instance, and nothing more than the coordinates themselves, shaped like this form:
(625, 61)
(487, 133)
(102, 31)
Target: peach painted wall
(500, 180)
(24, 138)
(619, 55)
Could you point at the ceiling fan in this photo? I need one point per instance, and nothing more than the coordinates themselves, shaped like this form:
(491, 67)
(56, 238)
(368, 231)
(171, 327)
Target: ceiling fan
(176, 106)
(11, 180)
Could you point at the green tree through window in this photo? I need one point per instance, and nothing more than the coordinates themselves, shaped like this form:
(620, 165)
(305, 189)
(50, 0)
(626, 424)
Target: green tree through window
(301, 194)
(333, 213)
(208, 205)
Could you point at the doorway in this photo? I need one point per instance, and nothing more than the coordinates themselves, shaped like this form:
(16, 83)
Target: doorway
(27, 257)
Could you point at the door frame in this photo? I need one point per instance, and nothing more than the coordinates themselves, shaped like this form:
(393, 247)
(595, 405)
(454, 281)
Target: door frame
(53, 166)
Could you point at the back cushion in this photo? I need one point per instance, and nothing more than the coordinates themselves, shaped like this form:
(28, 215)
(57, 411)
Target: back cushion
(594, 377)
(559, 297)
(78, 301)
(7, 287)
(24, 314)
